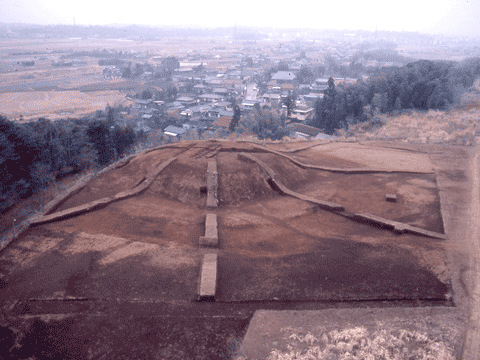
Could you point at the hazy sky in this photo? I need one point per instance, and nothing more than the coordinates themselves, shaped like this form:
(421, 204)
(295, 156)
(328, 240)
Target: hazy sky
(450, 17)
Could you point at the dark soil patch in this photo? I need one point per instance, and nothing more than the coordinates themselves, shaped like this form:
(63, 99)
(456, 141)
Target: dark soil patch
(124, 337)
(454, 175)
(343, 270)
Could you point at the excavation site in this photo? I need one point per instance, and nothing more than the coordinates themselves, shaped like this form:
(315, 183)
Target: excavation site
(169, 253)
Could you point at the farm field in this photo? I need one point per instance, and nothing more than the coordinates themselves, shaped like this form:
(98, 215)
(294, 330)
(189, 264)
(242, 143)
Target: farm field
(43, 90)
(57, 104)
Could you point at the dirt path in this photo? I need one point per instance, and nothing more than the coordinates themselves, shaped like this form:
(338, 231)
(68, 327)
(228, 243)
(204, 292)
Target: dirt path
(471, 348)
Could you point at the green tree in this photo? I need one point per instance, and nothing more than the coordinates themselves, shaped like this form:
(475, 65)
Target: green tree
(398, 104)
(329, 108)
(236, 118)
(171, 92)
(123, 139)
(18, 154)
(306, 75)
(127, 72)
(146, 94)
(317, 120)
(282, 66)
(170, 64)
(289, 102)
(110, 116)
(99, 135)
(265, 124)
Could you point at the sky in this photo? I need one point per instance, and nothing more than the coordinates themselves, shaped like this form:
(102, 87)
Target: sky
(448, 17)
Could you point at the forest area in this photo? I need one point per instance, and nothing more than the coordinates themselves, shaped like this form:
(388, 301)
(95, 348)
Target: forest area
(419, 86)
(35, 154)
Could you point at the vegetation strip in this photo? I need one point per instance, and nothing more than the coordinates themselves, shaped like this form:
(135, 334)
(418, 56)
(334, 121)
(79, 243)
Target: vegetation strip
(338, 170)
(94, 204)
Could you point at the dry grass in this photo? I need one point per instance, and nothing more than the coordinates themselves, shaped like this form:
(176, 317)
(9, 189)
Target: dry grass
(57, 104)
(458, 126)
(384, 343)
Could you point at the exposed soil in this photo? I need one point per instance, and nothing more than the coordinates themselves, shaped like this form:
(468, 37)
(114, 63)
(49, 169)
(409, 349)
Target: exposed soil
(122, 337)
(272, 247)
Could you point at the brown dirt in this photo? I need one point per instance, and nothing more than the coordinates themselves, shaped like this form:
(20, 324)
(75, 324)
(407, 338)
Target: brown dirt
(272, 247)
(256, 223)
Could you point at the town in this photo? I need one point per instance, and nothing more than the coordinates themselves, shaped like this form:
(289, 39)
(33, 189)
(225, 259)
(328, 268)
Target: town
(238, 193)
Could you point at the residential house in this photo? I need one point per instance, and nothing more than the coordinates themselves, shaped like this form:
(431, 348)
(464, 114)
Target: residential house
(221, 91)
(174, 131)
(269, 98)
(287, 87)
(302, 131)
(218, 112)
(143, 103)
(186, 100)
(222, 122)
(283, 76)
(211, 97)
(310, 99)
(200, 110)
(303, 113)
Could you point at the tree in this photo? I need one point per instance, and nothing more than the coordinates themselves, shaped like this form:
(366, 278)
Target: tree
(172, 92)
(289, 102)
(18, 155)
(146, 94)
(317, 120)
(138, 70)
(99, 135)
(377, 102)
(127, 72)
(236, 118)
(264, 124)
(282, 66)
(170, 64)
(398, 104)
(110, 116)
(329, 108)
(440, 98)
(123, 139)
(306, 75)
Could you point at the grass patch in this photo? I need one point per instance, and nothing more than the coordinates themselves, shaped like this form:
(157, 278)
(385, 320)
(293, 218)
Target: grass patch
(357, 343)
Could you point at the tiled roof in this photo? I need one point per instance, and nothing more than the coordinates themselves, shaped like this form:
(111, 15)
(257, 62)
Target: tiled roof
(304, 129)
(223, 121)
(288, 86)
(174, 130)
(283, 75)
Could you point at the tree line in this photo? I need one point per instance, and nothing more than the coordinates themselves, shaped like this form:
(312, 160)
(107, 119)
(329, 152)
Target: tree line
(35, 154)
(421, 85)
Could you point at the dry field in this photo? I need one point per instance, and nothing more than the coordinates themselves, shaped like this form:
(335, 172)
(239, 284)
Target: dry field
(57, 104)
(458, 126)
(46, 91)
